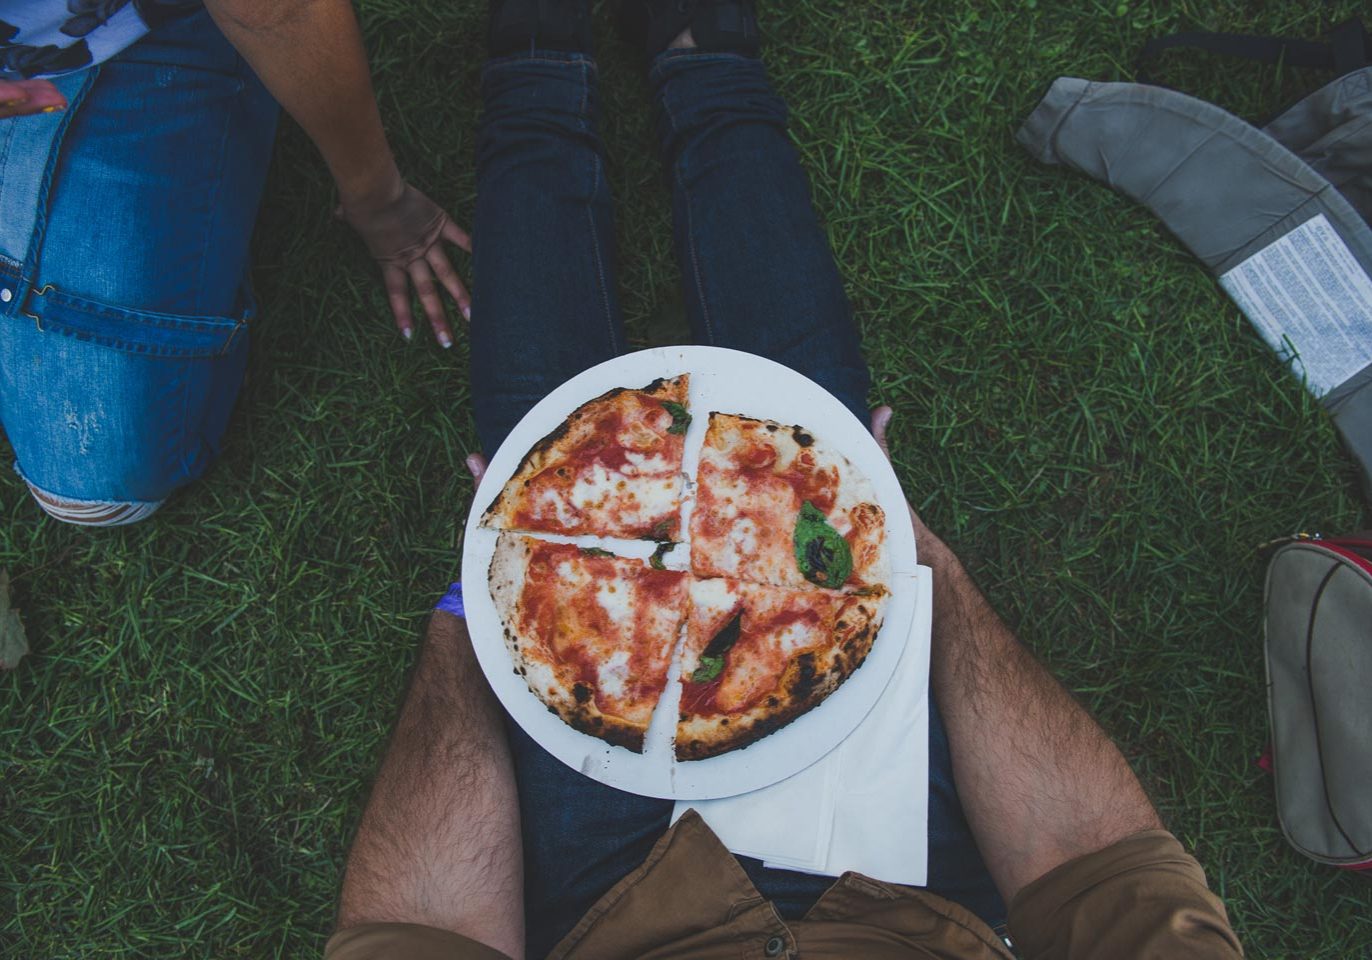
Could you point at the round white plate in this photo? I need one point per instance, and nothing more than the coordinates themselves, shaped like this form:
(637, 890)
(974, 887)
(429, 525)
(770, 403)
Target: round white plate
(727, 381)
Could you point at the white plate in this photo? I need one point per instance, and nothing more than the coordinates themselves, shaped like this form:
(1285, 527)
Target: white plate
(728, 381)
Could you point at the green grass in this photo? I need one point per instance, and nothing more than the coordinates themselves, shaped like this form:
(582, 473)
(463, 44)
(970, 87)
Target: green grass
(1080, 412)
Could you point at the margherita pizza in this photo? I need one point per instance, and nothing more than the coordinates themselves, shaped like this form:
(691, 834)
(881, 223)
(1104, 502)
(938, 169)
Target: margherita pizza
(758, 656)
(786, 590)
(591, 633)
(612, 469)
(775, 505)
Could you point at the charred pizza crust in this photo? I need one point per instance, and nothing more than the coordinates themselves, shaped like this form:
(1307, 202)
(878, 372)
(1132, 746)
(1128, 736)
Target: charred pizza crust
(754, 480)
(627, 502)
(809, 676)
(560, 685)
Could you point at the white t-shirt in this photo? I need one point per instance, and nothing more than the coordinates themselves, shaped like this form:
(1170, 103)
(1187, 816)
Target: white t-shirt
(47, 38)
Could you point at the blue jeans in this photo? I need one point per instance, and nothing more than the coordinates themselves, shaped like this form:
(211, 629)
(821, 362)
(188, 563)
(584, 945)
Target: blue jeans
(758, 276)
(124, 229)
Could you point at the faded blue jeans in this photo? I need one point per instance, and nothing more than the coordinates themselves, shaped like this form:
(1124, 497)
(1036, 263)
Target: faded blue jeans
(124, 229)
(758, 276)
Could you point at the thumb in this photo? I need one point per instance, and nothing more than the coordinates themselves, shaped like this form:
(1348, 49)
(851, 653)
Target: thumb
(881, 418)
(476, 465)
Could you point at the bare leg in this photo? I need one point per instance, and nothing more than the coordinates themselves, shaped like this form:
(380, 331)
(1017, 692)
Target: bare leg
(439, 841)
(1040, 781)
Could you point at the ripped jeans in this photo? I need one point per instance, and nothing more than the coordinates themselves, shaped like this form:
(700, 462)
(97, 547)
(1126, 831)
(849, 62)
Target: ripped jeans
(124, 229)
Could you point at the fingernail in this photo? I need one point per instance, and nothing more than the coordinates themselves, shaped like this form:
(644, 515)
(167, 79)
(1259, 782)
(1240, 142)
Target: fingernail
(467, 312)
(446, 340)
(473, 465)
(407, 333)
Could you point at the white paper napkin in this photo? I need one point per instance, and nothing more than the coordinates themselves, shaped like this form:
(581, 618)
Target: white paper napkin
(864, 806)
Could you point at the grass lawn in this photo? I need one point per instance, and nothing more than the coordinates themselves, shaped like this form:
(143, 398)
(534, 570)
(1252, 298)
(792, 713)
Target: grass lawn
(1080, 411)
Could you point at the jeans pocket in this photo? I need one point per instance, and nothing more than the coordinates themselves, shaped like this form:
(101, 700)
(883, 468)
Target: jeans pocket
(136, 331)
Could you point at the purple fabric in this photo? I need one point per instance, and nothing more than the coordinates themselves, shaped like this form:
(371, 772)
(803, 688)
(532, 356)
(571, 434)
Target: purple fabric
(452, 602)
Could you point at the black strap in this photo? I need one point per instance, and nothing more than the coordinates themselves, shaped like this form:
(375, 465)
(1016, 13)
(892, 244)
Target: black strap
(1351, 45)
(1349, 48)
(1315, 705)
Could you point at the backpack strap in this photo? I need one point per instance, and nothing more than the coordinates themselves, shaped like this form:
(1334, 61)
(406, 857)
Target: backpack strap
(1349, 48)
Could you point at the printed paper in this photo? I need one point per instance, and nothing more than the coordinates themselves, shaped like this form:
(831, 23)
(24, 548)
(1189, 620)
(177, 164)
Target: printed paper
(1311, 301)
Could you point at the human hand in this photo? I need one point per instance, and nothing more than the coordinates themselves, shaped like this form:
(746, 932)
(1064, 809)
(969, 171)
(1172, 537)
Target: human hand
(476, 465)
(22, 98)
(932, 549)
(404, 231)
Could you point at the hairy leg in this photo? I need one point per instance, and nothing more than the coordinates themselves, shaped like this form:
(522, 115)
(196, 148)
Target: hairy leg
(1040, 781)
(439, 840)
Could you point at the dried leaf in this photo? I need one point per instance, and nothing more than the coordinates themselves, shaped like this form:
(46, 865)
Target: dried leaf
(13, 644)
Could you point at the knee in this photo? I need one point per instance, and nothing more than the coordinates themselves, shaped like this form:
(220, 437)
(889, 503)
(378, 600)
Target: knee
(93, 513)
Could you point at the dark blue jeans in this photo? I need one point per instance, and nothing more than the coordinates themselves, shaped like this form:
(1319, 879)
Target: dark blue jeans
(758, 275)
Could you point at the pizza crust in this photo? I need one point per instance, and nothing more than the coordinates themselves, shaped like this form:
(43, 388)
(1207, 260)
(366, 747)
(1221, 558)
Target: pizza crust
(656, 494)
(752, 541)
(557, 685)
(807, 680)
(754, 477)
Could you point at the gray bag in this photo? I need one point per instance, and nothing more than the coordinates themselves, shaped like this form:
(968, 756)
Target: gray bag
(1279, 214)
(1318, 626)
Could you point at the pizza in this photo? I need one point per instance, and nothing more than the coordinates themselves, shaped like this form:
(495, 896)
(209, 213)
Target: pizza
(776, 505)
(785, 581)
(758, 656)
(612, 468)
(591, 633)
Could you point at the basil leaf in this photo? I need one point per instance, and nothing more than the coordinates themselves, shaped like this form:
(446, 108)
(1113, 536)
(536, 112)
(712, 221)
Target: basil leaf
(710, 667)
(680, 418)
(661, 530)
(655, 561)
(822, 555)
(712, 657)
(596, 552)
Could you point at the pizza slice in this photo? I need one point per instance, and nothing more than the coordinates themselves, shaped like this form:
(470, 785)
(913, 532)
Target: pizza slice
(590, 632)
(613, 469)
(757, 657)
(775, 505)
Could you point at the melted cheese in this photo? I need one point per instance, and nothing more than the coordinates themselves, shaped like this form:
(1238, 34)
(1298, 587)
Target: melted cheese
(552, 502)
(712, 598)
(591, 489)
(797, 636)
(616, 599)
(641, 464)
(613, 674)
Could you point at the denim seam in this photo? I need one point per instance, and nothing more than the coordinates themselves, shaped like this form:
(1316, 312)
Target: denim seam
(166, 321)
(217, 187)
(519, 59)
(585, 121)
(690, 230)
(84, 501)
(6, 143)
(29, 272)
(183, 454)
(666, 58)
(56, 323)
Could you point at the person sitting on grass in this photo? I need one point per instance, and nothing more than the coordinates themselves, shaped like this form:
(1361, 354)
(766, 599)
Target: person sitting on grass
(129, 183)
(477, 843)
